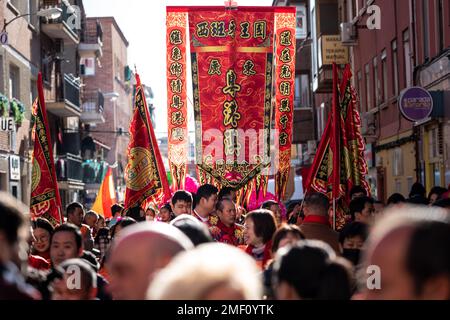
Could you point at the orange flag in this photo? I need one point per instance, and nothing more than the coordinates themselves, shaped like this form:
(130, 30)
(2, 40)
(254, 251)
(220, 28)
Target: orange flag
(106, 196)
(45, 201)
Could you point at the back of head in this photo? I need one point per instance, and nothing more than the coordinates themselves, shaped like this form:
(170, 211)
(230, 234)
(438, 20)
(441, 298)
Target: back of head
(135, 213)
(196, 231)
(91, 213)
(267, 204)
(396, 198)
(311, 268)
(116, 208)
(357, 190)
(90, 258)
(317, 204)
(211, 271)
(283, 231)
(12, 221)
(226, 192)
(417, 189)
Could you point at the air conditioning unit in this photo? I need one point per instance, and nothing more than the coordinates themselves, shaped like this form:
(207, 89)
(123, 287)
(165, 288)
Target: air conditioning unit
(348, 34)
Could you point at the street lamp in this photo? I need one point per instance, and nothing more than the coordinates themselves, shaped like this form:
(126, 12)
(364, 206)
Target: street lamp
(50, 13)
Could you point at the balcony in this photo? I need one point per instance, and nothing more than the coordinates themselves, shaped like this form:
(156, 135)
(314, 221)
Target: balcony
(66, 26)
(94, 171)
(91, 40)
(92, 108)
(69, 172)
(67, 98)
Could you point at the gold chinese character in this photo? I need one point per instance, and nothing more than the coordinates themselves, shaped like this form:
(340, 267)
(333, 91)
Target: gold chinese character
(283, 138)
(284, 105)
(231, 28)
(214, 67)
(285, 38)
(176, 86)
(283, 120)
(202, 30)
(285, 88)
(285, 72)
(285, 55)
(245, 26)
(218, 29)
(259, 29)
(176, 102)
(176, 69)
(175, 37)
(177, 118)
(176, 53)
(231, 114)
(232, 87)
(248, 68)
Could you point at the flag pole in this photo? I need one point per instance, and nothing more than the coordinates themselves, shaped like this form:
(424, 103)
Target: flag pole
(334, 213)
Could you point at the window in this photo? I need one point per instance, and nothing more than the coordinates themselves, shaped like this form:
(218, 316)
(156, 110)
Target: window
(385, 75)
(14, 82)
(358, 90)
(407, 52)
(302, 99)
(376, 82)
(87, 66)
(426, 29)
(440, 24)
(368, 91)
(395, 67)
(397, 167)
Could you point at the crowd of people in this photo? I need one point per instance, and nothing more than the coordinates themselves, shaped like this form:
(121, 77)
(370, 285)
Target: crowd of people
(207, 246)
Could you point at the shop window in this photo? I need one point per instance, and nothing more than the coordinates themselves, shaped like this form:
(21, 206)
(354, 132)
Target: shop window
(397, 163)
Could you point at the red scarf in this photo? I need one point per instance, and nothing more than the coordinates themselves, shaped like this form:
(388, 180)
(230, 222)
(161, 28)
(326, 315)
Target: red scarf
(316, 219)
(267, 255)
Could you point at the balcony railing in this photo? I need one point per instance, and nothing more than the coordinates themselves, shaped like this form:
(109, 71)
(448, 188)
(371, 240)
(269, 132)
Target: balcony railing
(66, 26)
(69, 168)
(94, 171)
(93, 102)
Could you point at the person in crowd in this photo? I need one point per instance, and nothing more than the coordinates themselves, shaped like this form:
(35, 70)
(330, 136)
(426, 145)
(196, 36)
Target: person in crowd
(101, 223)
(150, 213)
(195, 230)
(13, 250)
(223, 227)
(211, 271)
(442, 203)
(116, 212)
(136, 212)
(62, 288)
(140, 251)
(75, 215)
(42, 233)
(101, 282)
(91, 219)
(411, 248)
(310, 270)
(435, 194)
(352, 238)
(417, 194)
(292, 212)
(240, 215)
(378, 207)
(228, 192)
(165, 213)
(120, 225)
(66, 243)
(316, 223)
(285, 235)
(357, 191)
(396, 199)
(181, 203)
(206, 201)
(102, 241)
(36, 262)
(362, 210)
(275, 208)
(259, 227)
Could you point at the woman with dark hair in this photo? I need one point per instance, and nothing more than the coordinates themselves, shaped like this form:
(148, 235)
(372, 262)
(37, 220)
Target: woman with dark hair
(259, 227)
(165, 213)
(42, 231)
(310, 270)
(285, 235)
(435, 194)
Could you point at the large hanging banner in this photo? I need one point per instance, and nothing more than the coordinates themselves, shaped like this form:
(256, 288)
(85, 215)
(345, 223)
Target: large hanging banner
(176, 23)
(285, 24)
(45, 200)
(232, 55)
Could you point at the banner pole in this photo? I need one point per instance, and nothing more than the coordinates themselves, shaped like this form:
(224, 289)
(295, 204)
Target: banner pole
(334, 213)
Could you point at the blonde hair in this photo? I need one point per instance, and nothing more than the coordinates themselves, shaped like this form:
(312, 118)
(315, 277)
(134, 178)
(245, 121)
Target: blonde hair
(193, 274)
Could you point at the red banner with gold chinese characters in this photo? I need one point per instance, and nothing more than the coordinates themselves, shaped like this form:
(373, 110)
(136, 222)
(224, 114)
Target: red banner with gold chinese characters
(176, 22)
(285, 23)
(45, 200)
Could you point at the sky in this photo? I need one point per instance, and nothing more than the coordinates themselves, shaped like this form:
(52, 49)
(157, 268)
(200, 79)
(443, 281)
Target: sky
(143, 24)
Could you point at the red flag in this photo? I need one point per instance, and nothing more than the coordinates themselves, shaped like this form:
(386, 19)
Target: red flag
(145, 175)
(106, 196)
(45, 200)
